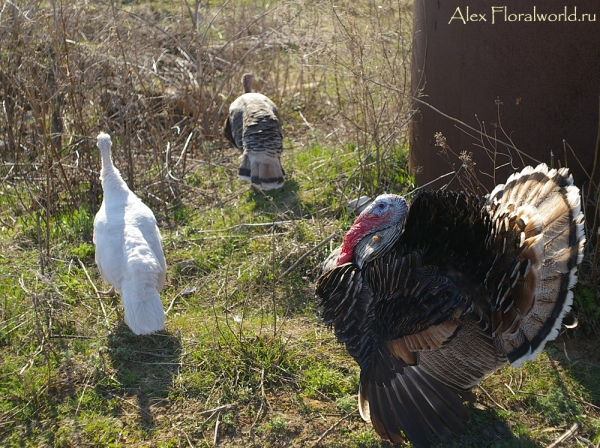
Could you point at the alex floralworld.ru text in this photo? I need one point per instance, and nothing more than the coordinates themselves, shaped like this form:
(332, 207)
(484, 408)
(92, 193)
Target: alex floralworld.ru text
(502, 14)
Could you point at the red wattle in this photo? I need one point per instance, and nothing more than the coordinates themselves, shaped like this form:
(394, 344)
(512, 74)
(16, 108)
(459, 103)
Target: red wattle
(358, 230)
(344, 256)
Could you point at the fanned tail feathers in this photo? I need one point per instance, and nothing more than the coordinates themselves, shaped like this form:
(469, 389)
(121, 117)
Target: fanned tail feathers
(265, 173)
(538, 213)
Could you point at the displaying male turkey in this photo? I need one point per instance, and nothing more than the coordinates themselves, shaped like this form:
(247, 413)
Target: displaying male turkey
(129, 248)
(432, 296)
(254, 127)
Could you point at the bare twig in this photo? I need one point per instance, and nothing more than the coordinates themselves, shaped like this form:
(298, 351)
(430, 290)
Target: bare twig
(87, 275)
(184, 292)
(429, 183)
(225, 407)
(68, 336)
(171, 305)
(86, 385)
(594, 275)
(456, 120)
(238, 226)
(187, 438)
(565, 436)
(216, 437)
(490, 397)
(264, 398)
(321, 244)
(95, 289)
(305, 121)
(332, 427)
(595, 155)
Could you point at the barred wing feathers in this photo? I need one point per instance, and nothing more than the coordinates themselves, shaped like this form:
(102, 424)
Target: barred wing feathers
(254, 127)
(470, 285)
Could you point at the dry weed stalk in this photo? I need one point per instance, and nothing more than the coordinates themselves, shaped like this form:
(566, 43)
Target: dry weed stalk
(161, 85)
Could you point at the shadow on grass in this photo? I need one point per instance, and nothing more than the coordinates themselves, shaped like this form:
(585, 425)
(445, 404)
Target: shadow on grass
(145, 367)
(288, 201)
(279, 200)
(487, 429)
(580, 357)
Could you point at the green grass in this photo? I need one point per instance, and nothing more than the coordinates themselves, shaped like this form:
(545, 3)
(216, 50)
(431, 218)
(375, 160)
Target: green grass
(238, 333)
(244, 359)
(243, 344)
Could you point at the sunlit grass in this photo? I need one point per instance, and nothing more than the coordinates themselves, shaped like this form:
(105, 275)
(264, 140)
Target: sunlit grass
(244, 359)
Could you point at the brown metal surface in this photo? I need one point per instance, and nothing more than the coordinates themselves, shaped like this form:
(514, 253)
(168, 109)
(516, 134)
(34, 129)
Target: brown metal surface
(546, 75)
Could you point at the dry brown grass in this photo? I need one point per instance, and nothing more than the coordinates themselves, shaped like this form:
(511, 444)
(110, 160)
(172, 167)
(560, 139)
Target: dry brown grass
(160, 76)
(244, 360)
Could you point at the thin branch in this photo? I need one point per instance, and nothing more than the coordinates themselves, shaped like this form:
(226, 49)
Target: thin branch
(216, 438)
(566, 435)
(321, 244)
(595, 154)
(332, 427)
(237, 226)
(429, 183)
(456, 120)
(494, 401)
(225, 407)
(95, 289)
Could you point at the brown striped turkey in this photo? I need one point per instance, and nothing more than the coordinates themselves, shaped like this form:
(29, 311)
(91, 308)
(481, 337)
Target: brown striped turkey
(254, 127)
(430, 297)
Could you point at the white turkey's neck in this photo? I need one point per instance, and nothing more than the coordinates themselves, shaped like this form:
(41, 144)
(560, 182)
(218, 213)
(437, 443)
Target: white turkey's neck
(110, 176)
(107, 164)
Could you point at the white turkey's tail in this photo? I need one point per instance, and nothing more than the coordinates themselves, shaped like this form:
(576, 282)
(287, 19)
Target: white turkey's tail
(537, 216)
(265, 173)
(144, 312)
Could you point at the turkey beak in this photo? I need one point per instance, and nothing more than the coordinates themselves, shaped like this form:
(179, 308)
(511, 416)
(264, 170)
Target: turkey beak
(367, 215)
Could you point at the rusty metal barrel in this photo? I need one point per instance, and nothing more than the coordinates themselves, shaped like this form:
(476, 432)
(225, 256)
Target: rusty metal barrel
(529, 76)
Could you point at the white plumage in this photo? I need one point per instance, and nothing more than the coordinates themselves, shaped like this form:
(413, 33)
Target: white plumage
(129, 248)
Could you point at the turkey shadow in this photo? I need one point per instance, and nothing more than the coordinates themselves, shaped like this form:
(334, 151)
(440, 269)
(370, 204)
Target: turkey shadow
(145, 367)
(486, 428)
(276, 201)
(578, 355)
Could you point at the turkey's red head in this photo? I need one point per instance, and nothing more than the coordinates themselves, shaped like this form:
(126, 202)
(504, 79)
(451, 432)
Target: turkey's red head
(383, 218)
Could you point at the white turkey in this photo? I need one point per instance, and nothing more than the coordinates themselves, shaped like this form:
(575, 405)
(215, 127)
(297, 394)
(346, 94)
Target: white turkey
(129, 251)
(254, 127)
(430, 297)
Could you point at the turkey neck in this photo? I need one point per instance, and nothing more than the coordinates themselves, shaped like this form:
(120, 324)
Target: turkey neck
(247, 82)
(112, 182)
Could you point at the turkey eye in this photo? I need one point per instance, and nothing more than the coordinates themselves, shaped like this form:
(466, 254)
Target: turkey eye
(382, 207)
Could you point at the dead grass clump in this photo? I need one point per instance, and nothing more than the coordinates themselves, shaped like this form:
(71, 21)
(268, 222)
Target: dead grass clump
(160, 80)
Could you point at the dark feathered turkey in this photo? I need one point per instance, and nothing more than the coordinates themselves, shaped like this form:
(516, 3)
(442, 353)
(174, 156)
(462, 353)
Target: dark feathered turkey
(254, 127)
(430, 298)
